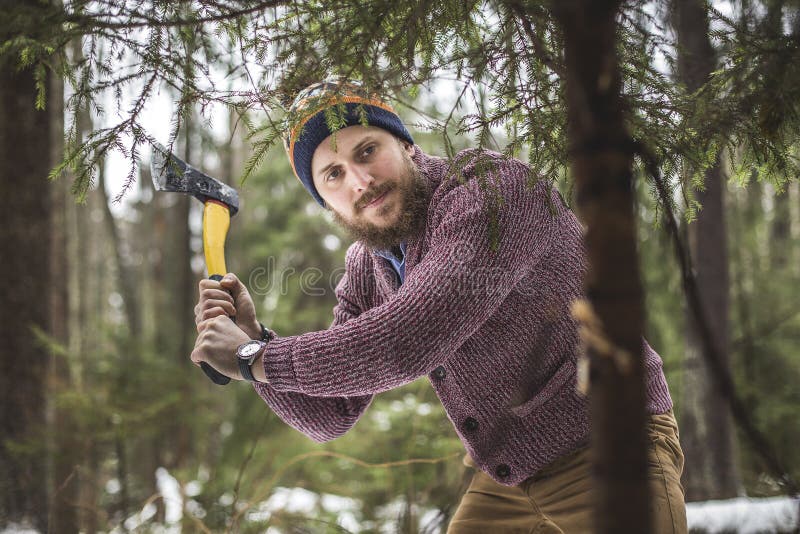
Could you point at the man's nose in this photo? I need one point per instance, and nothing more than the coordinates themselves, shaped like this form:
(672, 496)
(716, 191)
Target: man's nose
(361, 178)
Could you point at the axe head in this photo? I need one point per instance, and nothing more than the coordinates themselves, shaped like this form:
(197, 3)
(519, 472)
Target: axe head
(170, 173)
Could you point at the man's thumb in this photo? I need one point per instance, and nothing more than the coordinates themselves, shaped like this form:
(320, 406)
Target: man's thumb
(234, 286)
(231, 282)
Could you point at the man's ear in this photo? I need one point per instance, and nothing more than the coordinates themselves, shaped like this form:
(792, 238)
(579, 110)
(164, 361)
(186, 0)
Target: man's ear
(408, 147)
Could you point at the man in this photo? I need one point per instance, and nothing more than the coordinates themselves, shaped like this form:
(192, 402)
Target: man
(461, 271)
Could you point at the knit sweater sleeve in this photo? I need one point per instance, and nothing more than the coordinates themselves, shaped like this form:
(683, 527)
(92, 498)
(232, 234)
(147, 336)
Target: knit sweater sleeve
(486, 233)
(324, 418)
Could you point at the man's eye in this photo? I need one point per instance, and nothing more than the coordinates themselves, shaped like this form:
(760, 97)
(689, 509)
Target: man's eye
(334, 174)
(368, 150)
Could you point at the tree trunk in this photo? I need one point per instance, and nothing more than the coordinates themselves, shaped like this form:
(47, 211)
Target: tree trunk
(175, 283)
(185, 298)
(66, 450)
(25, 200)
(780, 243)
(601, 165)
(742, 276)
(185, 286)
(780, 233)
(711, 469)
(126, 276)
(85, 260)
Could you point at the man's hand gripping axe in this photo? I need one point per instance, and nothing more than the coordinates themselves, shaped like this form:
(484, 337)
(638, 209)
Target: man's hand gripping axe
(220, 201)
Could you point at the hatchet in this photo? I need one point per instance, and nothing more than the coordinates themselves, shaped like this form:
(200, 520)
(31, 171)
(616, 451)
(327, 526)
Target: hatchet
(220, 202)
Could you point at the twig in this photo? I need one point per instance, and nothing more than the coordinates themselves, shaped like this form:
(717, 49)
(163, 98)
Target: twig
(55, 495)
(539, 49)
(770, 326)
(92, 21)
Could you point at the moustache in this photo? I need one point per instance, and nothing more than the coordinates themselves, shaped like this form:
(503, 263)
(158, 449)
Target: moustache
(372, 194)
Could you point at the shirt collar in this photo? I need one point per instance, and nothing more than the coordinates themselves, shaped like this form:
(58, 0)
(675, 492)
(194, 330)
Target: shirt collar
(389, 255)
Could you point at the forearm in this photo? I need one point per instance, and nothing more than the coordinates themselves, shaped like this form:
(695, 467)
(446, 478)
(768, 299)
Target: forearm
(321, 419)
(384, 348)
(258, 369)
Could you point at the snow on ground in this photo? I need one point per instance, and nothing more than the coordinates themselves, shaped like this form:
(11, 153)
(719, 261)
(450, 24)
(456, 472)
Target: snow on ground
(303, 502)
(16, 528)
(388, 513)
(745, 515)
(170, 490)
(741, 516)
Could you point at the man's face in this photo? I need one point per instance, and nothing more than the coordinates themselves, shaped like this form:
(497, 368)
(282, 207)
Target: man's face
(367, 178)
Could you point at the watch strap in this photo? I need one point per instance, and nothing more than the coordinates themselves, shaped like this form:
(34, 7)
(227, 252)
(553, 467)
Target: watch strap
(266, 334)
(245, 370)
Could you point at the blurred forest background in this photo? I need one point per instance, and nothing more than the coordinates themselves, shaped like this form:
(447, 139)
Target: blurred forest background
(107, 425)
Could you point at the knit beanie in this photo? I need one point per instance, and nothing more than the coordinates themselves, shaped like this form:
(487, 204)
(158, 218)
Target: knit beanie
(321, 109)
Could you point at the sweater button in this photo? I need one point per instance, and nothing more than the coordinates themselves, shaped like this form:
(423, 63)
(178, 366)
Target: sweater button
(502, 471)
(470, 424)
(438, 373)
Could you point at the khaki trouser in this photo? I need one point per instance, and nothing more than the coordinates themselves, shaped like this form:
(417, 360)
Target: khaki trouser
(558, 498)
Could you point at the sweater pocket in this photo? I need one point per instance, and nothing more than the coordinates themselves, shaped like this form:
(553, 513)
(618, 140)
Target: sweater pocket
(564, 375)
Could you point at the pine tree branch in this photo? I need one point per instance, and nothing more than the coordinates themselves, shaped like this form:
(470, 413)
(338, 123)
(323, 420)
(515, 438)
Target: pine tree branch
(89, 22)
(539, 48)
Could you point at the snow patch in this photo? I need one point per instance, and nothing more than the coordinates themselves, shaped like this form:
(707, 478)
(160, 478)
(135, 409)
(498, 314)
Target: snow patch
(170, 490)
(744, 515)
(307, 503)
(17, 528)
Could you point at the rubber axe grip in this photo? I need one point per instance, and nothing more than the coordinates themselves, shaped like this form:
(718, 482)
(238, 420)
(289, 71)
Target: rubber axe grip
(215, 376)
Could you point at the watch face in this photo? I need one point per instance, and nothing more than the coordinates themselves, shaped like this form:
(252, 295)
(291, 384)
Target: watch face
(250, 348)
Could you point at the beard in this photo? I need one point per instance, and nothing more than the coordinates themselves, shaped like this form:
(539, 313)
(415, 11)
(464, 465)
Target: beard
(414, 197)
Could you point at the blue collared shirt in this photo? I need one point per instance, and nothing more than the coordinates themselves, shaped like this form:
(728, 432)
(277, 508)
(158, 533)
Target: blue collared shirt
(399, 264)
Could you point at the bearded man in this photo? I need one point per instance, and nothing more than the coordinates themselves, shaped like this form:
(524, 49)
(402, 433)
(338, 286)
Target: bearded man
(461, 271)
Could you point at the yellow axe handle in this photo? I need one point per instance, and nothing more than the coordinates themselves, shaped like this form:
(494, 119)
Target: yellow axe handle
(216, 221)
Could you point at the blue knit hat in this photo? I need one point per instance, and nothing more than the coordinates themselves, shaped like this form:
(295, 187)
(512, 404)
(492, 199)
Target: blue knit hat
(321, 109)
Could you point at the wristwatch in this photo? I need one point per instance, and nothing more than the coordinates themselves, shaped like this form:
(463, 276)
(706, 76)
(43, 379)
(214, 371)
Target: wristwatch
(246, 354)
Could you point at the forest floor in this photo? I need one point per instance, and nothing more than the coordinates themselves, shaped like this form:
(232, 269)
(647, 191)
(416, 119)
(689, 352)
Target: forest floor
(742, 515)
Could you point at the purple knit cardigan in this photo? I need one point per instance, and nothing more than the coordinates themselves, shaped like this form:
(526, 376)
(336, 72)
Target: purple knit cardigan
(484, 312)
